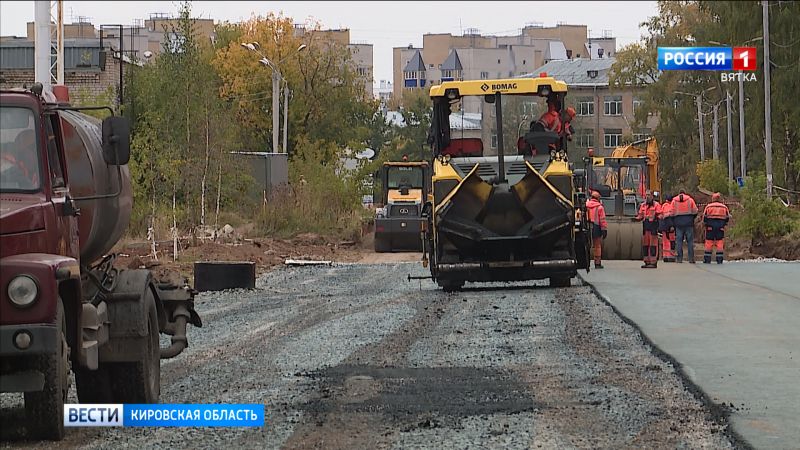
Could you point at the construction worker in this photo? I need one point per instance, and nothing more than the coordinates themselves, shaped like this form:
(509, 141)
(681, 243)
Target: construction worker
(667, 230)
(599, 227)
(684, 211)
(715, 217)
(551, 119)
(649, 213)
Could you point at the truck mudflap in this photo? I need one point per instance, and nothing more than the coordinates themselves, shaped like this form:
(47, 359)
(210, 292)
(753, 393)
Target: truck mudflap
(178, 301)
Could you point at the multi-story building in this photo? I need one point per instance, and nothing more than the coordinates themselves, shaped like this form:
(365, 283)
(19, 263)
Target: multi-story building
(383, 91)
(361, 52)
(605, 116)
(474, 56)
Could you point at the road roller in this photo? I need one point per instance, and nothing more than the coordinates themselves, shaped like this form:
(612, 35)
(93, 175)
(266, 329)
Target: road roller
(500, 211)
(622, 179)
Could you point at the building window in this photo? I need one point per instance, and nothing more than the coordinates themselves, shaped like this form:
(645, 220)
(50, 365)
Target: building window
(524, 62)
(585, 106)
(569, 54)
(484, 75)
(363, 71)
(410, 75)
(586, 138)
(612, 105)
(494, 140)
(642, 134)
(612, 137)
(498, 61)
(637, 103)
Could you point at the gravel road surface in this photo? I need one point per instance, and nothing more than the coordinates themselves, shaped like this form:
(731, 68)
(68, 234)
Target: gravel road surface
(355, 356)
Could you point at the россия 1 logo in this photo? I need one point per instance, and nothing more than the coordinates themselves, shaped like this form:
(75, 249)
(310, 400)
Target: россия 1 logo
(707, 58)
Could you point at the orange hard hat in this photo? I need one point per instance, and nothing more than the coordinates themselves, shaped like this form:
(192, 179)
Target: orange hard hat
(595, 194)
(716, 196)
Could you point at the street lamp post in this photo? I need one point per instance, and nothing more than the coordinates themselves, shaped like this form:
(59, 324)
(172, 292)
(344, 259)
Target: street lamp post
(285, 116)
(276, 78)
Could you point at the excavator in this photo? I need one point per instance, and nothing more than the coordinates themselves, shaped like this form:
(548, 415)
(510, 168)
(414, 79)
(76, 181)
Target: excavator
(622, 179)
(404, 187)
(499, 212)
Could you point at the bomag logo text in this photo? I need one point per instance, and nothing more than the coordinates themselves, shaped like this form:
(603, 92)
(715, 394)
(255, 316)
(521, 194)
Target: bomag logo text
(503, 86)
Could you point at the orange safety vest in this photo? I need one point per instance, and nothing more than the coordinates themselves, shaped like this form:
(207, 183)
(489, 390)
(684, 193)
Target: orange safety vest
(716, 210)
(684, 205)
(597, 213)
(649, 212)
(666, 210)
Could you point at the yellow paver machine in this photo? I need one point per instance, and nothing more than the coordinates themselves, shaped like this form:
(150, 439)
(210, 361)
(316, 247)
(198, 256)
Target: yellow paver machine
(500, 211)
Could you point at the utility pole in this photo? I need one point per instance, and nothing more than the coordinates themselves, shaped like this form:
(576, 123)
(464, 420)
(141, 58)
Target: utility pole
(715, 132)
(730, 136)
(743, 164)
(275, 109)
(767, 103)
(700, 126)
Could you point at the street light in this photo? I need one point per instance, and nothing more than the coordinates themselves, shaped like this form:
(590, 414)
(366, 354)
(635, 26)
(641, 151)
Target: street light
(743, 164)
(698, 100)
(276, 77)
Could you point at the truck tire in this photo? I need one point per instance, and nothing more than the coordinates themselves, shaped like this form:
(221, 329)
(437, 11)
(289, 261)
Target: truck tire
(382, 245)
(94, 386)
(560, 282)
(45, 408)
(450, 285)
(140, 381)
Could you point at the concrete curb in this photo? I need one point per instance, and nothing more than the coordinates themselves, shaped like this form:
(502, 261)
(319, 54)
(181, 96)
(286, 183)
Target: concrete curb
(720, 413)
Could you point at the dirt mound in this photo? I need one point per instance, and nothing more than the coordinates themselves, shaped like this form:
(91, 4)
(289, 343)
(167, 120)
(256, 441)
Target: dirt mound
(785, 247)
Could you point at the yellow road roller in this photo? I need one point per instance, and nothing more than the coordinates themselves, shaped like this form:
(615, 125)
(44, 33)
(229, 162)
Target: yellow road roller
(622, 179)
(506, 205)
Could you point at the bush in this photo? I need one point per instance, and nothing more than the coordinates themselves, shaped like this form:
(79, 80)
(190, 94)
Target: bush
(763, 218)
(713, 175)
(318, 201)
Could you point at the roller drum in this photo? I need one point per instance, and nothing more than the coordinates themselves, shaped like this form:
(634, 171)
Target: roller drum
(624, 241)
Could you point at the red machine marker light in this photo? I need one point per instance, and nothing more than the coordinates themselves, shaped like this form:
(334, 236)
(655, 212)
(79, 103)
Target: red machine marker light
(744, 58)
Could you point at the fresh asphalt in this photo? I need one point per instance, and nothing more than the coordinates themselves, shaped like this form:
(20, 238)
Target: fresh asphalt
(734, 328)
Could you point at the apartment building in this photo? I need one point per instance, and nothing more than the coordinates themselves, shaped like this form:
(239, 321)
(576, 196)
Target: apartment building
(361, 52)
(605, 116)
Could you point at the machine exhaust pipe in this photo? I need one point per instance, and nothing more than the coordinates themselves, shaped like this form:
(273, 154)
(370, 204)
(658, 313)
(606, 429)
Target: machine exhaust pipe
(178, 331)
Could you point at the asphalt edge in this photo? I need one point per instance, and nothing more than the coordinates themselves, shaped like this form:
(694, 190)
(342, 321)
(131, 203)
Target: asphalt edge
(719, 413)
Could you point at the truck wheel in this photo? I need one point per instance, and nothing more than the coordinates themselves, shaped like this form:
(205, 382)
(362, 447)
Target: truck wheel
(94, 386)
(45, 409)
(382, 245)
(560, 282)
(140, 381)
(451, 285)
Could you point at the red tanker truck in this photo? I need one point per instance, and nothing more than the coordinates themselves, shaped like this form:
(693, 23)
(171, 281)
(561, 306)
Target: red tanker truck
(65, 200)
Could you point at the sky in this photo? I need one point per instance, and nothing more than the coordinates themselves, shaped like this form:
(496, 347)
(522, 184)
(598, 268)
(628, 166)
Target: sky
(383, 24)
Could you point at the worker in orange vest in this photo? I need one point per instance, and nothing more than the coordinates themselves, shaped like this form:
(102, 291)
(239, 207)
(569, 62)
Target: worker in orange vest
(684, 211)
(715, 217)
(649, 214)
(667, 230)
(599, 227)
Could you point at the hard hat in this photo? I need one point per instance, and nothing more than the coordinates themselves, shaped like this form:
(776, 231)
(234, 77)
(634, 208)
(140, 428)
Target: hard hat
(571, 111)
(716, 196)
(595, 195)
